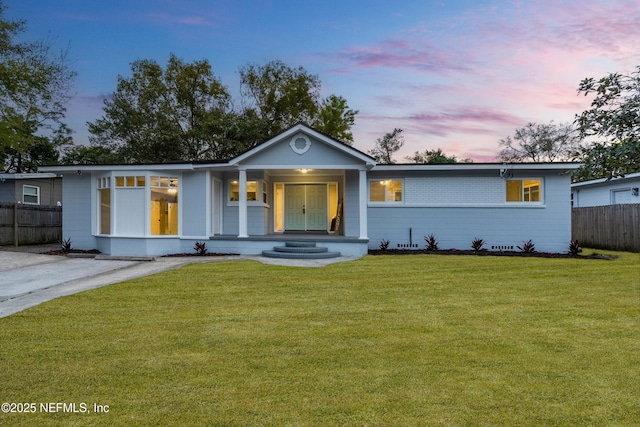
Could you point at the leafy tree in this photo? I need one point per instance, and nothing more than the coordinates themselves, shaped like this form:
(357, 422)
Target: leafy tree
(335, 119)
(92, 155)
(279, 96)
(183, 112)
(34, 88)
(614, 116)
(157, 115)
(541, 143)
(434, 156)
(387, 145)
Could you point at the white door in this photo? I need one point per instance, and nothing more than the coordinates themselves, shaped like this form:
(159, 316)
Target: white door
(305, 207)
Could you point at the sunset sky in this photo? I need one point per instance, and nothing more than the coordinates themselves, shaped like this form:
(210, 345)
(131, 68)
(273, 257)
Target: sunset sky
(455, 75)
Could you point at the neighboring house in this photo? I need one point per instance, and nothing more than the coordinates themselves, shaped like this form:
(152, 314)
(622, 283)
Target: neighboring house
(601, 192)
(304, 185)
(31, 188)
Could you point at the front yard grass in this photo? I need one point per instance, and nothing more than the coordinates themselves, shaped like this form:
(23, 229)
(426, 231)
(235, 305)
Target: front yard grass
(382, 341)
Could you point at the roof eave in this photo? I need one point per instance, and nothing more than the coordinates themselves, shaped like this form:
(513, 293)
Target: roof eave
(478, 166)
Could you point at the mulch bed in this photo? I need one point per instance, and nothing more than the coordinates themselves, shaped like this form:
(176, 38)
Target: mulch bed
(199, 255)
(72, 251)
(96, 252)
(487, 253)
(387, 252)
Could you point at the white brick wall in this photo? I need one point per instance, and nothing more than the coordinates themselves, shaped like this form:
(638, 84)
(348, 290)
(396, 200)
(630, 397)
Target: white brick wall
(454, 190)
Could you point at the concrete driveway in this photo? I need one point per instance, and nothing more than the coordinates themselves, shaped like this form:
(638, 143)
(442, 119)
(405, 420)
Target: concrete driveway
(28, 279)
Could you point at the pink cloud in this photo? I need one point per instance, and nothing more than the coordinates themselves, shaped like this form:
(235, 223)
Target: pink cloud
(166, 18)
(455, 120)
(396, 53)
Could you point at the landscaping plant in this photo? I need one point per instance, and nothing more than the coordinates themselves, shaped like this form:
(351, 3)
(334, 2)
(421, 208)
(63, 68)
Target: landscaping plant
(527, 247)
(477, 244)
(384, 245)
(200, 248)
(65, 246)
(574, 247)
(432, 243)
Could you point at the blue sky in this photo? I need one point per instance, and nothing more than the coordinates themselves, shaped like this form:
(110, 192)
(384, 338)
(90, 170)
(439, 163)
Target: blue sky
(455, 75)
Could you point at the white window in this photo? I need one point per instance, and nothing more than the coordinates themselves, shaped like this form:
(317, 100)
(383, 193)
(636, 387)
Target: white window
(104, 198)
(524, 190)
(164, 205)
(254, 190)
(30, 195)
(123, 208)
(385, 191)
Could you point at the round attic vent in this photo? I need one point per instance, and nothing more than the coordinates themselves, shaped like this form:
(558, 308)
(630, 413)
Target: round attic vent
(300, 144)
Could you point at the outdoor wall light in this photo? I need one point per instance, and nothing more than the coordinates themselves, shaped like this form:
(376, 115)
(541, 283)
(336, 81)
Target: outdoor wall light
(634, 191)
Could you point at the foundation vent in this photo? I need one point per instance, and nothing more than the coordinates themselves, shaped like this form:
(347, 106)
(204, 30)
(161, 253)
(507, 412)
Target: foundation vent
(502, 247)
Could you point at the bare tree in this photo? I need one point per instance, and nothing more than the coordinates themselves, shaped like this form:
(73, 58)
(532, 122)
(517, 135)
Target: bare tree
(387, 145)
(541, 143)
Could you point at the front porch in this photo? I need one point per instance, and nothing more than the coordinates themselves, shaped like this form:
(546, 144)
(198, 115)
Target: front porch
(352, 246)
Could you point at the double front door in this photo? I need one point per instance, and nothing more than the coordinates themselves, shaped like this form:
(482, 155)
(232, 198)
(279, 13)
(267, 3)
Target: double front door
(305, 207)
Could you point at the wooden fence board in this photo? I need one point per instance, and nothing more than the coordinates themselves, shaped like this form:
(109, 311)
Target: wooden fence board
(36, 224)
(614, 227)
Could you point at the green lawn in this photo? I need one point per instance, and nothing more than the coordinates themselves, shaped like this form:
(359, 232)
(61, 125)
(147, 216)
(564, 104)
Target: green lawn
(382, 341)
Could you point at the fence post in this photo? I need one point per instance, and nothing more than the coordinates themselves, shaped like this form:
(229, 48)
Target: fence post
(15, 224)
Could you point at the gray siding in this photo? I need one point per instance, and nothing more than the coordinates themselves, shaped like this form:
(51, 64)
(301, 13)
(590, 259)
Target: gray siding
(11, 190)
(351, 204)
(601, 194)
(194, 201)
(319, 154)
(77, 202)
(548, 225)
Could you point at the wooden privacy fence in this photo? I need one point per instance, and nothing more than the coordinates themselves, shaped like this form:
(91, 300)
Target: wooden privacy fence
(614, 227)
(28, 224)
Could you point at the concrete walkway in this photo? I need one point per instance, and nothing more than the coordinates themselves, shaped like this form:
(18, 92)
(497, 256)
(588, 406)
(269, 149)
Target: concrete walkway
(28, 279)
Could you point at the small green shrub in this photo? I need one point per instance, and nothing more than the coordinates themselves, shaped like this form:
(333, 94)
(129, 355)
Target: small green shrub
(432, 243)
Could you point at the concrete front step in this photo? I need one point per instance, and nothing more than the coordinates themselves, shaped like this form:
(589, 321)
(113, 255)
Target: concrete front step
(300, 250)
(300, 244)
(305, 249)
(300, 255)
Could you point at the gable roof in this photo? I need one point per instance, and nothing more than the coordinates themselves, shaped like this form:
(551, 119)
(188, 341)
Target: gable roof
(302, 128)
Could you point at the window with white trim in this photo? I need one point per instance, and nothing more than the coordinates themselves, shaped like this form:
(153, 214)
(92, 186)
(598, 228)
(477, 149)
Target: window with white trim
(385, 191)
(104, 198)
(30, 194)
(254, 190)
(164, 205)
(123, 205)
(524, 190)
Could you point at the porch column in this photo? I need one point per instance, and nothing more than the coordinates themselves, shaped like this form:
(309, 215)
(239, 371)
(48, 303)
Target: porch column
(363, 203)
(242, 203)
